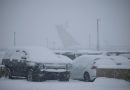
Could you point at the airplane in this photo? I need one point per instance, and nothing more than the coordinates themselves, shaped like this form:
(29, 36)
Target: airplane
(72, 48)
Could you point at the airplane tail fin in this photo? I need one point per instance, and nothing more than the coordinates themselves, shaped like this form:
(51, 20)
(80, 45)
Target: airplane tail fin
(67, 40)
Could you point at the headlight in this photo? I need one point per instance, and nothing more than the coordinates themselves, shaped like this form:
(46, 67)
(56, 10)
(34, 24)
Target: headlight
(68, 66)
(41, 66)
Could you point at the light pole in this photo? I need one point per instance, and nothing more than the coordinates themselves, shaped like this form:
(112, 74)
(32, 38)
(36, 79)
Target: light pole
(14, 39)
(98, 42)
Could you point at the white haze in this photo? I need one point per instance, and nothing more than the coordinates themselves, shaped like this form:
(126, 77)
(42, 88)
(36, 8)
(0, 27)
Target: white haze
(34, 22)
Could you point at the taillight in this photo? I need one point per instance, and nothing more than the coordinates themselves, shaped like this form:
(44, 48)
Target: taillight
(93, 67)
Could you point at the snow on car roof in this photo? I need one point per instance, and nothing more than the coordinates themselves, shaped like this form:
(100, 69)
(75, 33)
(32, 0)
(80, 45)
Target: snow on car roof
(115, 62)
(85, 59)
(9, 52)
(121, 59)
(102, 61)
(64, 59)
(13, 53)
(38, 54)
(46, 55)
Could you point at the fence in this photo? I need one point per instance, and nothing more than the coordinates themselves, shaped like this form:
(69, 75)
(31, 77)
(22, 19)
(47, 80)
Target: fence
(114, 73)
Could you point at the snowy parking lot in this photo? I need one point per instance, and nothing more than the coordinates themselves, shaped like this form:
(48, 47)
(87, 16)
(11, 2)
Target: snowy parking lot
(99, 84)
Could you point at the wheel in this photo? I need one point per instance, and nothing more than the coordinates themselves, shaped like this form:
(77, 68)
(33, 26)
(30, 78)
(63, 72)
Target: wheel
(41, 77)
(86, 77)
(29, 76)
(67, 77)
(64, 77)
(7, 73)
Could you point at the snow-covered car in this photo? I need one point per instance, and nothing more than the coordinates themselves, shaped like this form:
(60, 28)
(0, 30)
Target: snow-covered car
(114, 62)
(84, 67)
(36, 63)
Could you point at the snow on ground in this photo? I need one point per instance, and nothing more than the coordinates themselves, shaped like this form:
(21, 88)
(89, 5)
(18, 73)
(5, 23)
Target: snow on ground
(99, 84)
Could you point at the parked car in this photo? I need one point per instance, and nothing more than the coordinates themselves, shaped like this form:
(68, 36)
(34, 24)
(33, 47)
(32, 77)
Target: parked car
(113, 62)
(35, 64)
(84, 67)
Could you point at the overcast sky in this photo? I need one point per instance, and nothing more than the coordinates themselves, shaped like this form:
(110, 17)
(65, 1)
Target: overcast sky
(34, 22)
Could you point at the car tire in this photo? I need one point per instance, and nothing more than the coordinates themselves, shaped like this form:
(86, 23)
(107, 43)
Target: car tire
(8, 74)
(43, 78)
(30, 76)
(64, 77)
(67, 77)
(86, 77)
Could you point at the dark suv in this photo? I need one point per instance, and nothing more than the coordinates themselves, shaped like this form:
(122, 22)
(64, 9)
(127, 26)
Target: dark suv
(18, 64)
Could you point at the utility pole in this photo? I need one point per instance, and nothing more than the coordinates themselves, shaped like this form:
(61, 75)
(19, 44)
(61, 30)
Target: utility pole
(98, 44)
(14, 39)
